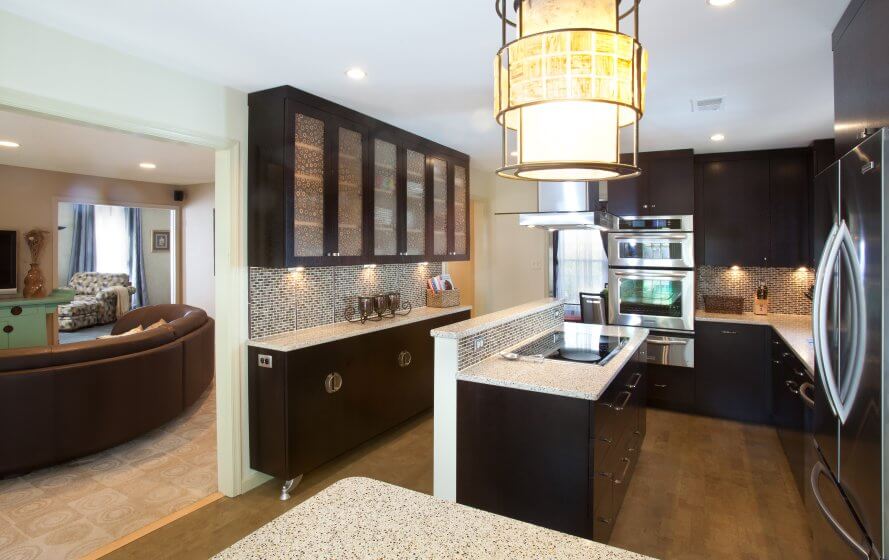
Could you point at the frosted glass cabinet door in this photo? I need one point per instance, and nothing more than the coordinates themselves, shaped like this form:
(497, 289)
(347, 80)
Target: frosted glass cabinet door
(350, 196)
(416, 203)
(439, 207)
(460, 205)
(308, 187)
(385, 198)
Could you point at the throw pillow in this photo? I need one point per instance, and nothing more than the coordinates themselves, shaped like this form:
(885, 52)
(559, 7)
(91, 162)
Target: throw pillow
(131, 331)
(156, 324)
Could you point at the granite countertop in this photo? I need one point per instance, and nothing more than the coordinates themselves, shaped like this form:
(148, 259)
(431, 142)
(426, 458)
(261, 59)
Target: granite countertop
(302, 338)
(558, 377)
(364, 518)
(795, 330)
(474, 326)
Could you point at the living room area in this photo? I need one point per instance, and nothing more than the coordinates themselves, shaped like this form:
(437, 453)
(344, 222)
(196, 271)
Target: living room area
(107, 327)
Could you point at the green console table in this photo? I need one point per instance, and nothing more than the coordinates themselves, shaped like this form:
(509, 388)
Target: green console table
(28, 322)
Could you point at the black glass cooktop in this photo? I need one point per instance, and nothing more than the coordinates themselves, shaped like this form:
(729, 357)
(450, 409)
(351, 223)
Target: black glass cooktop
(575, 345)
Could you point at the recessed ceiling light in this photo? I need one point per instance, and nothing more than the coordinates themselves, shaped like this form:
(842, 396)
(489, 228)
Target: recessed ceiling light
(356, 73)
(147, 165)
(8, 144)
(720, 3)
(718, 137)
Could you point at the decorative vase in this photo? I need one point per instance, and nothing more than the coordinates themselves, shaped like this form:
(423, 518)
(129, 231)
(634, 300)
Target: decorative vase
(35, 283)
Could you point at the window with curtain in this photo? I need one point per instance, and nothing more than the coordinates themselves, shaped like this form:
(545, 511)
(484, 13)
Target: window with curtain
(579, 265)
(112, 240)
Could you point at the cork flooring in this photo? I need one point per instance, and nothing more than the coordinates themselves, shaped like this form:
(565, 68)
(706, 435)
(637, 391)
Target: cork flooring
(69, 510)
(704, 488)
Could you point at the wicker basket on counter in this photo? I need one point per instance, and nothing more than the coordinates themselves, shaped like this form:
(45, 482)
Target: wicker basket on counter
(724, 304)
(445, 298)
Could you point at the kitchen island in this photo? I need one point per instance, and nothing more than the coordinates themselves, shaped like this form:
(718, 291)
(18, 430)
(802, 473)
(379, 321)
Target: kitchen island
(364, 518)
(536, 429)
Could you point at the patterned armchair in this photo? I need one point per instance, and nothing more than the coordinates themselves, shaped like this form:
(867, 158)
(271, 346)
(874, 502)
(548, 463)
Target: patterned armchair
(95, 303)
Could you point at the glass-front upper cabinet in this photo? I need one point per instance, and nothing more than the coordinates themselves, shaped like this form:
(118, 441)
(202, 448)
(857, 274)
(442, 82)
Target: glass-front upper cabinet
(440, 207)
(461, 212)
(328, 190)
(385, 195)
(415, 219)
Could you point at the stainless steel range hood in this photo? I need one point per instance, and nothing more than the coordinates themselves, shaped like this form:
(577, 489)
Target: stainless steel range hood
(570, 205)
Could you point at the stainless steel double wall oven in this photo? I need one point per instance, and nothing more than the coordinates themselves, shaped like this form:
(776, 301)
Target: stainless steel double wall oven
(651, 283)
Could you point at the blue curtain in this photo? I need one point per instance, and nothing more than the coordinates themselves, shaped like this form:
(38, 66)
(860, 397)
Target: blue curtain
(83, 240)
(136, 257)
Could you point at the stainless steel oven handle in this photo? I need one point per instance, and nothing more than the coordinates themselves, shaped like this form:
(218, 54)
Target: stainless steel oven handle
(651, 236)
(669, 342)
(643, 274)
(817, 470)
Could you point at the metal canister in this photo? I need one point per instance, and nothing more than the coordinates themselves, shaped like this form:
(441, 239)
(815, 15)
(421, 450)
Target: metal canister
(394, 301)
(365, 306)
(381, 304)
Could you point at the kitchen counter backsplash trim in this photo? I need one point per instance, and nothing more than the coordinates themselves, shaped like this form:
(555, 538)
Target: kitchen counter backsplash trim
(506, 335)
(787, 286)
(283, 300)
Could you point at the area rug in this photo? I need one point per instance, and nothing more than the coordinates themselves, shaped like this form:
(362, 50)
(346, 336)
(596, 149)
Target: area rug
(70, 510)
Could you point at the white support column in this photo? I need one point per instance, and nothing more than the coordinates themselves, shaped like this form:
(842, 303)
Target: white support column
(445, 465)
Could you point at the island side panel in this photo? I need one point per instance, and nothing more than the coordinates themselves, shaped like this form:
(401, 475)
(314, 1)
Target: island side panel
(525, 455)
(444, 479)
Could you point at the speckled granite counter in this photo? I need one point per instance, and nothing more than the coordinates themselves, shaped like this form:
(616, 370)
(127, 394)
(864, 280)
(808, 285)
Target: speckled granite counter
(474, 326)
(795, 330)
(364, 518)
(558, 377)
(294, 340)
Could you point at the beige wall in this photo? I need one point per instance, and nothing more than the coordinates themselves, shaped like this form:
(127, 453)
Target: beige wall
(29, 197)
(511, 260)
(158, 273)
(197, 247)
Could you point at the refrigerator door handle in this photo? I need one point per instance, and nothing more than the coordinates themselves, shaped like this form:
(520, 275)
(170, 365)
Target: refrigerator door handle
(817, 471)
(819, 311)
(846, 398)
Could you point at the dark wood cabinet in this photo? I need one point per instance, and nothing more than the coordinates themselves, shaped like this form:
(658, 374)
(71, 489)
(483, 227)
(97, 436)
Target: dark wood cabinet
(731, 371)
(671, 388)
(565, 465)
(792, 387)
(666, 186)
(861, 75)
(754, 208)
(330, 186)
(318, 402)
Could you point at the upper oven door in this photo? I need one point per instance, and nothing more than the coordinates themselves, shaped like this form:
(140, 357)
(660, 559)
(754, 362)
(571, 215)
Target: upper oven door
(662, 299)
(660, 250)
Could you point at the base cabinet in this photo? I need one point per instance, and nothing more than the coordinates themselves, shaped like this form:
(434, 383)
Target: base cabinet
(558, 462)
(316, 403)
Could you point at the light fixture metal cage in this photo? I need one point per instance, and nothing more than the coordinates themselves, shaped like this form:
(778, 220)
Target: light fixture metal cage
(568, 65)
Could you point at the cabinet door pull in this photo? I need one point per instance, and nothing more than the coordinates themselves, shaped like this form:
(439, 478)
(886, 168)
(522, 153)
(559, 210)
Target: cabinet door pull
(404, 358)
(729, 332)
(606, 440)
(623, 404)
(16, 310)
(660, 385)
(868, 167)
(333, 382)
(623, 475)
(792, 387)
(8, 329)
(633, 384)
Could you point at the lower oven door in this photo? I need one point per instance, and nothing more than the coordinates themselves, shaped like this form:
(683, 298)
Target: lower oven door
(660, 299)
(671, 349)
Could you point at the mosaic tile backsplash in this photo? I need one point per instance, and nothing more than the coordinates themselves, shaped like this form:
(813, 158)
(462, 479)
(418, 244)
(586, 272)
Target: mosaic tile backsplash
(282, 300)
(508, 334)
(786, 286)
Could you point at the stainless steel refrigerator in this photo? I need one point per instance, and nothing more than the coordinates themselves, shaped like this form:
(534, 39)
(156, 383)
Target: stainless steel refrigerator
(846, 497)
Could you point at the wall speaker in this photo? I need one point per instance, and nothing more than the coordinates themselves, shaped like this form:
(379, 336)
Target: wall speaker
(178, 196)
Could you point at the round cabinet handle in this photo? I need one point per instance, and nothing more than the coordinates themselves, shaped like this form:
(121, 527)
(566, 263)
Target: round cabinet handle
(16, 310)
(404, 358)
(8, 329)
(333, 382)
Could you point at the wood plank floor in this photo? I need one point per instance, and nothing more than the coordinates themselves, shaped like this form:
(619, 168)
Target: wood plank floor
(708, 488)
(704, 488)
(402, 457)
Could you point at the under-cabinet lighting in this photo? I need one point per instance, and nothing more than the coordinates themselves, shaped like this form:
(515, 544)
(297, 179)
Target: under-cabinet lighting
(718, 137)
(147, 165)
(802, 269)
(370, 266)
(424, 263)
(720, 3)
(356, 73)
(9, 144)
(297, 269)
(736, 267)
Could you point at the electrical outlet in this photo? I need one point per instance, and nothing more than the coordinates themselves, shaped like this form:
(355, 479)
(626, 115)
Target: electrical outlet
(265, 361)
(479, 343)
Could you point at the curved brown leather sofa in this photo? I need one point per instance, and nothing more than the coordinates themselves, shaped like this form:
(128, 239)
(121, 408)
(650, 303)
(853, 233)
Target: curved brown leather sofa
(62, 402)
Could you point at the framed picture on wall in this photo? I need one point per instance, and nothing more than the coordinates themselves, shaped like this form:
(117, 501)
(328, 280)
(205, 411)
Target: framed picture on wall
(160, 240)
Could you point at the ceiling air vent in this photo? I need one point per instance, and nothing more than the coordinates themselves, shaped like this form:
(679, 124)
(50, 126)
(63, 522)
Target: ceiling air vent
(707, 104)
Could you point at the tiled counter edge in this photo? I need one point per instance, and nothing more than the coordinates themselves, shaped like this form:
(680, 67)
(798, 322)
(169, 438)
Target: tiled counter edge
(464, 344)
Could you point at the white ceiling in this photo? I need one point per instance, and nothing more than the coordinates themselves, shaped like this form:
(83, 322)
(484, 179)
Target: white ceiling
(72, 148)
(429, 63)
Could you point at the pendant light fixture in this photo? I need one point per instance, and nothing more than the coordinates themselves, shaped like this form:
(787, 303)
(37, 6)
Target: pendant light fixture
(568, 86)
